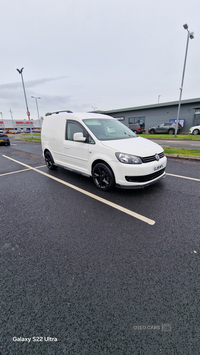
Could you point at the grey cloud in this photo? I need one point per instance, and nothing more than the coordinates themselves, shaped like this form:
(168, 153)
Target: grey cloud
(29, 83)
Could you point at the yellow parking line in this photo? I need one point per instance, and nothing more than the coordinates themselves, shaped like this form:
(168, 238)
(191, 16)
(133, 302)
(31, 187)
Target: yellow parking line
(15, 172)
(183, 177)
(100, 199)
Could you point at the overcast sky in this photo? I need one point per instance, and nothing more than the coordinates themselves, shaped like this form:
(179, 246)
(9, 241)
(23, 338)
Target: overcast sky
(104, 54)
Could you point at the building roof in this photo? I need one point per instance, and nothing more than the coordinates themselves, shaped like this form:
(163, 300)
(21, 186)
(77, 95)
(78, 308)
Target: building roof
(145, 107)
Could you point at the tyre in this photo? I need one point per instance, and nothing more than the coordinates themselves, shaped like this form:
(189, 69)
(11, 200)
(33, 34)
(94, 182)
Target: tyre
(171, 131)
(103, 177)
(152, 131)
(196, 131)
(49, 161)
(135, 131)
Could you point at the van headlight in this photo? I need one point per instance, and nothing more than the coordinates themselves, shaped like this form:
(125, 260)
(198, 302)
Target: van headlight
(128, 158)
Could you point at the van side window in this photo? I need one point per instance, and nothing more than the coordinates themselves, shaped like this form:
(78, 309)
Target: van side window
(75, 127)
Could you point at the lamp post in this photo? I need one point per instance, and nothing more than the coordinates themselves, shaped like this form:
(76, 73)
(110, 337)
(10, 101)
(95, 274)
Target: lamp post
(36, 98)
(189, 36)
(11, 117)
(27, 110)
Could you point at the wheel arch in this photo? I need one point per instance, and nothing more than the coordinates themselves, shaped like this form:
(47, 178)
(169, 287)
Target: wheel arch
(103, 162)
(47, 150)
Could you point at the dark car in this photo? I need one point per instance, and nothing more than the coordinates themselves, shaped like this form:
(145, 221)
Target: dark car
(136, 128)
(4, 139)
(168, 128)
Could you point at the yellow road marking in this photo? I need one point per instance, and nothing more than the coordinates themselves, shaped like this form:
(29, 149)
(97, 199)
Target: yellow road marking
(183, 177)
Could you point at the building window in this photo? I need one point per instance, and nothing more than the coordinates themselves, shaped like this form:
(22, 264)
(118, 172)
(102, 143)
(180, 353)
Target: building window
(181, 121)
(139, 120)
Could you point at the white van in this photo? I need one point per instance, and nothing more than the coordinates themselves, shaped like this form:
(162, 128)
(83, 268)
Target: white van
(100, 146)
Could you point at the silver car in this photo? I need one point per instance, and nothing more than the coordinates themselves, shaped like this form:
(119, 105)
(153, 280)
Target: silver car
(167, 128)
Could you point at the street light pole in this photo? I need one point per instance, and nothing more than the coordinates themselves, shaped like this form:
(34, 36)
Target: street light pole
(189, 36)
(27, 110)
(36, 98)
(11, 117)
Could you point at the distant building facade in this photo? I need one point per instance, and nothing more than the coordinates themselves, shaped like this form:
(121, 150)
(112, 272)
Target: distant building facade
(20, 124)
(154, 115)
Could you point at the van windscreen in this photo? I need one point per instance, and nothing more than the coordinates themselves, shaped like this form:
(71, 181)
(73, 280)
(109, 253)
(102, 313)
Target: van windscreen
(108, 129)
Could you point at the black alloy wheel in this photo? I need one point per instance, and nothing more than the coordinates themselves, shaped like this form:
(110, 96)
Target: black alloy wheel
(103, 177)
(49, 161)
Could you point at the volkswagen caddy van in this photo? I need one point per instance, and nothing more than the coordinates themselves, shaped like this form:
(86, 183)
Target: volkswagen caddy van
(103, 148)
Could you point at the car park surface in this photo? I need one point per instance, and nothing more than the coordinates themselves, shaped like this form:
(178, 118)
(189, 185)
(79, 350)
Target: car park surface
(81, 276)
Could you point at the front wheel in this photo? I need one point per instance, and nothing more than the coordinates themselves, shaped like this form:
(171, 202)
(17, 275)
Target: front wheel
(196, 131)
(103, 177)
(49, 161)
(152, 131)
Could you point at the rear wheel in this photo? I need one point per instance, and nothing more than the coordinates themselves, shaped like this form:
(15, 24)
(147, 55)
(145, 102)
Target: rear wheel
(196, 131)
(171, 131)
(103, 177)
(49, 161)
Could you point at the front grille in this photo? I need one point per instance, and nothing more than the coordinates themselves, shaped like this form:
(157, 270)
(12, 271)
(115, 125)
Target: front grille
(151, 158)
(145, 178)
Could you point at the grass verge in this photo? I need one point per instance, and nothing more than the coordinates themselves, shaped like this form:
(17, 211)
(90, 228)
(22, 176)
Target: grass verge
(29, 139)
(182, 151)
(171, 136)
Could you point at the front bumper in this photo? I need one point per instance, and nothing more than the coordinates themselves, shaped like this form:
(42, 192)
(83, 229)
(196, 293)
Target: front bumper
(138, 176)
(138, 186)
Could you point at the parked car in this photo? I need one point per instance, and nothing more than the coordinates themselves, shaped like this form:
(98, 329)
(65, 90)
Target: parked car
(195, 130)
(168, 127)
(4, 138)
(136, 128)
(100, 146)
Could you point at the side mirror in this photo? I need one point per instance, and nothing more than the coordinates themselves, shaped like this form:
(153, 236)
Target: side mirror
(78, 137)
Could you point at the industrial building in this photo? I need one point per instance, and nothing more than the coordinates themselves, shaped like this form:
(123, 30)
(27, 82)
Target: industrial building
(19, 125)
(154, 115)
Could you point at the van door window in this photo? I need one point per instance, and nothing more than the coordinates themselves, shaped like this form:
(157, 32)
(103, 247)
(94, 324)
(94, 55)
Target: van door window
(75, 127)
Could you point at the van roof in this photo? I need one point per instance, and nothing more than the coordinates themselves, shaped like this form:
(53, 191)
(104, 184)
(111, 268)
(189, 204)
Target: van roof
(78, 115)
